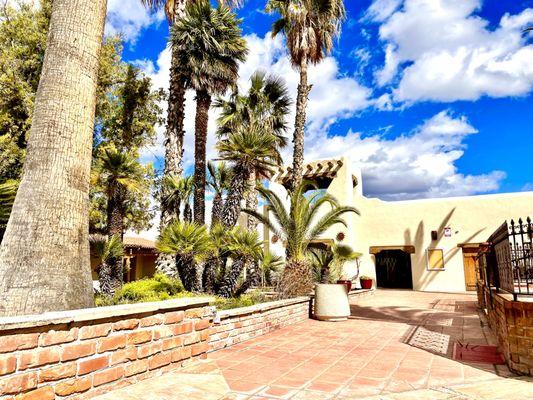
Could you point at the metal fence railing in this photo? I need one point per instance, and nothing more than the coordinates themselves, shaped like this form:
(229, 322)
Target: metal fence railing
(507, 262)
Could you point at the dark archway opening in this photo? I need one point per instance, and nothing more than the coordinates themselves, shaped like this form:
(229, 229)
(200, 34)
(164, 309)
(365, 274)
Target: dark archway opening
(393, 269)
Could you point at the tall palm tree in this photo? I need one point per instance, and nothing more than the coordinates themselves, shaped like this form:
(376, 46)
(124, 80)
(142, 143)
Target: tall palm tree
(190, 244)
(219, 178)
(209, 48)
(107, 250)
(305, 220)
(309, 27)
(250, 149)
(44, 257)
(267, 102)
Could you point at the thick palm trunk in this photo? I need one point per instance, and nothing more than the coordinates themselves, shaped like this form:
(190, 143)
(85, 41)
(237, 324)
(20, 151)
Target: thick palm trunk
(238, 186)
(251, 202)
(299, 126)
(209, 275)
(104, 277)
(229, 283)
(296, 279)
(44, 257)
(253, 278)
(203, 102)
(188, 273)
(187, 212)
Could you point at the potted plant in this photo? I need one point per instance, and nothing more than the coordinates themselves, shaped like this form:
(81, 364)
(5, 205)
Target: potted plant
(366, 282)
(331, 292)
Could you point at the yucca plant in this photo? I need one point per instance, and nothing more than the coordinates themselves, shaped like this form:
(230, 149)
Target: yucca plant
(305, 220)
(107, 250)
(191, 244)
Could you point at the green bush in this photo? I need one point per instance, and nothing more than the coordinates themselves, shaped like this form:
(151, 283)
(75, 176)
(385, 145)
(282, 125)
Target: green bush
(158, 288)
(244, 300)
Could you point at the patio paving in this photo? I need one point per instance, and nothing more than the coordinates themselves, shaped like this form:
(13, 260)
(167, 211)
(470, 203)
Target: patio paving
(397, 345)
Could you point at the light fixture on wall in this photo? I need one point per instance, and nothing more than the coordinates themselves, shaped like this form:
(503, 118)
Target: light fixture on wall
(275, 239)
(434, 235)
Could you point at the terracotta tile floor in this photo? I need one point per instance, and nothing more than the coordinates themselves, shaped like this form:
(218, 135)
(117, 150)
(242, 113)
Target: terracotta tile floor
(397, 344)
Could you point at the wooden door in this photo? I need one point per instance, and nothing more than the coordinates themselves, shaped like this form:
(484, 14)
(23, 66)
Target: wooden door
(470, 264)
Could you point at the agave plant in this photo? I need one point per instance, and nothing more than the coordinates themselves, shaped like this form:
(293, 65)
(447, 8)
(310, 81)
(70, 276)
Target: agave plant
(304, 221)
(107, 250)
(191, 244)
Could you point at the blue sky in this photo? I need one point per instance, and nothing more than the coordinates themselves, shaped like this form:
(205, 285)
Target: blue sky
(430, 98)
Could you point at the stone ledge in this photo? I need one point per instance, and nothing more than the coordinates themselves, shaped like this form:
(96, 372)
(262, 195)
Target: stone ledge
(97, 313)
(257, 308)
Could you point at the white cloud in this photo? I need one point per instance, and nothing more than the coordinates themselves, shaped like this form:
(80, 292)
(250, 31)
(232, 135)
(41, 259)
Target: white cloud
(420, 164)
(380, 10)
(129, 17)
(450, 54)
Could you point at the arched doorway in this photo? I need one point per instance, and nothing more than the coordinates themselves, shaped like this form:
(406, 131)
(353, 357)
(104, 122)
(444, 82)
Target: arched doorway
(393, 269)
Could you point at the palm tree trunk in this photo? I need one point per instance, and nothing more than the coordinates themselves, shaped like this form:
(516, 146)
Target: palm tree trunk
(174, 137)
(203, 102)
(296, 279)
(238, 186)
(251, 202)
(299, 126)
(104, 277)
(218, 206)
(209, 275)
(188, 273)
(115, 227)
(44, 257)
(187, 212)
(229, 283)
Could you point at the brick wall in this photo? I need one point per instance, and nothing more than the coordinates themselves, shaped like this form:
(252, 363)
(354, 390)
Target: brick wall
(83, 353)
(241, 324)
(512, 323)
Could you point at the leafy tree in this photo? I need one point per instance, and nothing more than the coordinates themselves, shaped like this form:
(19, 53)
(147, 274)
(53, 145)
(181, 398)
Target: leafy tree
(266, 104)
(306, 218)
(309, 27)
(209, 47)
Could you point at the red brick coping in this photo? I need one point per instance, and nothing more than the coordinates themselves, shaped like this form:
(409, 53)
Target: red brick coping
(82, 353)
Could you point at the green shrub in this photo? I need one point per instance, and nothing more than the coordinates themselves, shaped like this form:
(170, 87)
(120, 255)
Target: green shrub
(158, 288)
(244, 300)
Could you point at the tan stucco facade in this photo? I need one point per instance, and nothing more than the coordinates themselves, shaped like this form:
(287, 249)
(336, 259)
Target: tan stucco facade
(408, 226)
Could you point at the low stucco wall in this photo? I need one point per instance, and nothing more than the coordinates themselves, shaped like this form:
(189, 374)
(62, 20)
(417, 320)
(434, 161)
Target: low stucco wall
(82, 353)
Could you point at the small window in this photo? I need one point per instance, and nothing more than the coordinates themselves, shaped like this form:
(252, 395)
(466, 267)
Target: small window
(435, 259)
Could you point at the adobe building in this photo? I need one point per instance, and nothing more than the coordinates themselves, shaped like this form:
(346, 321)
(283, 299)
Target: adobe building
(427, 245)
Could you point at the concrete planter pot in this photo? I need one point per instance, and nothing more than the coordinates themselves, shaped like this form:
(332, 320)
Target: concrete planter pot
(331, 302)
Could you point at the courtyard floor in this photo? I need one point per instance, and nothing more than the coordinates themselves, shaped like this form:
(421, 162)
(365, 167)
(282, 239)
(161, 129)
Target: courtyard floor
(397, 345)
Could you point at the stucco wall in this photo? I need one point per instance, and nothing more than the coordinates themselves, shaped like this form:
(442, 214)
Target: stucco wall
(471, 219)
